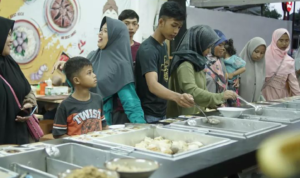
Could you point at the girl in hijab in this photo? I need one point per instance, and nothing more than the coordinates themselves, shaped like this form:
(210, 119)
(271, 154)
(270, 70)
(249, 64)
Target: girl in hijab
(13, 128)
(252, 80)
(281, 79)
(216, 73)
(112, 63)
(187, 71)
(297, 65)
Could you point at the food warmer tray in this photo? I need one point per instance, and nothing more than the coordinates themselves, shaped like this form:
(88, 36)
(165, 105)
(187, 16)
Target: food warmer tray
(127, 141)
(230, 127)
(71, 156)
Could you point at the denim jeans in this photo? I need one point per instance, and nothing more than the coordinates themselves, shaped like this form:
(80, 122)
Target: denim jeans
(151, 119)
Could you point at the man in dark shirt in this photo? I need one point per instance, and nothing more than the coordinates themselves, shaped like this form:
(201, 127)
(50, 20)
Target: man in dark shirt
(152, 65)
(131, 20)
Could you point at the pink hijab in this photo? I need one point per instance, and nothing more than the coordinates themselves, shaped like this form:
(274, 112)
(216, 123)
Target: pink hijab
(274, 56)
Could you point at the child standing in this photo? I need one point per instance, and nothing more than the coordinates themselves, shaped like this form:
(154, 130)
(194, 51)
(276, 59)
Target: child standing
(234, 66)
(81, 112)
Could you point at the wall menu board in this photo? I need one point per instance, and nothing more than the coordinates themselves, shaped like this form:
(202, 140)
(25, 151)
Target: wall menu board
(45, 29)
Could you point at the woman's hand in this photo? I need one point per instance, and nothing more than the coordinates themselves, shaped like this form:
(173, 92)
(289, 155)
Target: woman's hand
(27, 106)
(23, 119)
(230, 95)
(58, 65)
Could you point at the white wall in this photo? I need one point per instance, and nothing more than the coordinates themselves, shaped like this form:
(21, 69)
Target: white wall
(240, 27)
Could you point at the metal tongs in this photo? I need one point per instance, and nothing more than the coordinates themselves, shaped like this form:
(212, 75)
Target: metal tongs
(258, 109)
(192, 122)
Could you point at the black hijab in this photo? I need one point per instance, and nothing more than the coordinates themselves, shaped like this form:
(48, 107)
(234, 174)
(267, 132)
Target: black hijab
(195, 41)
(113, 64)
(11, 132)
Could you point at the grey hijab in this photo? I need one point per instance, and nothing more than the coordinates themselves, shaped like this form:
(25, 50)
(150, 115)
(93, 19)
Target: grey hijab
(253, 79)
(195, 41)
(113, 64)
(297, 60)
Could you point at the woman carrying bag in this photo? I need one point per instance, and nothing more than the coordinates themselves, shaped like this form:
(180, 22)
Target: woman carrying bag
(14, 88)
(281, 80)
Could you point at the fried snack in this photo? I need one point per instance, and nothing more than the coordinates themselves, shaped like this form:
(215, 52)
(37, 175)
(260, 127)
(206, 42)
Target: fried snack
(87, 172)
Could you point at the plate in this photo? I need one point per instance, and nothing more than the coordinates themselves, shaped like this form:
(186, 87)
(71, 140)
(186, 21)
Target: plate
(26, 42)
(61, 15)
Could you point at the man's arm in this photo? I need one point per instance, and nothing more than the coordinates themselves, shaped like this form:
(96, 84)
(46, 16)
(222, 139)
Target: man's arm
(183, 100)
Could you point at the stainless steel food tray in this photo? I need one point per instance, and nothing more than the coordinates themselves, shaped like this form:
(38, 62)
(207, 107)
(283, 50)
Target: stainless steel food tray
(71, 156)
(128, 140)
(291, 106)
(230, 127)
(5, 173)
(271, 114)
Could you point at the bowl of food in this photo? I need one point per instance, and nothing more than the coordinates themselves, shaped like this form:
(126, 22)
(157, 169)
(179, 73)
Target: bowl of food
(132, 168)
(231, 111)
(89, 172)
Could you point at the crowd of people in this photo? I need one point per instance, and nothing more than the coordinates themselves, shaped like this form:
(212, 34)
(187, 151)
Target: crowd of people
(125, 81)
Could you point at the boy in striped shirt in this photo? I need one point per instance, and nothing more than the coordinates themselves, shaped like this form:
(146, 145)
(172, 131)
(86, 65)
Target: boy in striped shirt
(81, 112)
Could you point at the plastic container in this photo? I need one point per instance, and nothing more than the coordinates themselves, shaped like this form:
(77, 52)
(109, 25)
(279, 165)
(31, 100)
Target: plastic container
(49, 82)
(42, 88)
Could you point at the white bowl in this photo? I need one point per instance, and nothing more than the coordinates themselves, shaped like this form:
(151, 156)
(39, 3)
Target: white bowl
(137, 168)
(231, 111)
(118, 126)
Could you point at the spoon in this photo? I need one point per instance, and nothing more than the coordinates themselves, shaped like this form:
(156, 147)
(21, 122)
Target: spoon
(258, 109)
(208, 120)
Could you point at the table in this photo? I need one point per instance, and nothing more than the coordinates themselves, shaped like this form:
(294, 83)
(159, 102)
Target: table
(51, 99)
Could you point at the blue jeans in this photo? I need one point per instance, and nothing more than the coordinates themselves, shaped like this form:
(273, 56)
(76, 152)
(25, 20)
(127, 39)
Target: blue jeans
(130, 102)
(151, 119)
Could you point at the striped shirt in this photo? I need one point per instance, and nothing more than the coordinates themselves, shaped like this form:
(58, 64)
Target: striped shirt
(75, 117)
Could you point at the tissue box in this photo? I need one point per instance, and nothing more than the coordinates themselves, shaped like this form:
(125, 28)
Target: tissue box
(52, 91)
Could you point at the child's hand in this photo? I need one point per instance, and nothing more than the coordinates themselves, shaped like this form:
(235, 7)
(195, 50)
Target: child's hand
(230, 76)
(236, 83)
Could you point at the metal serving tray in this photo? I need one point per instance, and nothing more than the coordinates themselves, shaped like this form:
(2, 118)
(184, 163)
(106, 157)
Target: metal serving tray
(230, 127)
(291, 106)
(128, 140)
(272, 114)
(71, 156)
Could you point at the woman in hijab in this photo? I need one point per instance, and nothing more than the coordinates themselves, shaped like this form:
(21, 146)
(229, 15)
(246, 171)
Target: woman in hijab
(216, 72)
(281, 80)
(252, 80)
(187, 71)
(13, 128)
(297, 65)
(112, 63)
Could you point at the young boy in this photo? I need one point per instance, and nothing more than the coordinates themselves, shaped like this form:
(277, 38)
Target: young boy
(152, 64)
(81, 112)
(131, 19)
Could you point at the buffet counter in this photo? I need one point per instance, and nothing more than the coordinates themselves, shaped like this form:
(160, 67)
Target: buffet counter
(209, 151)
